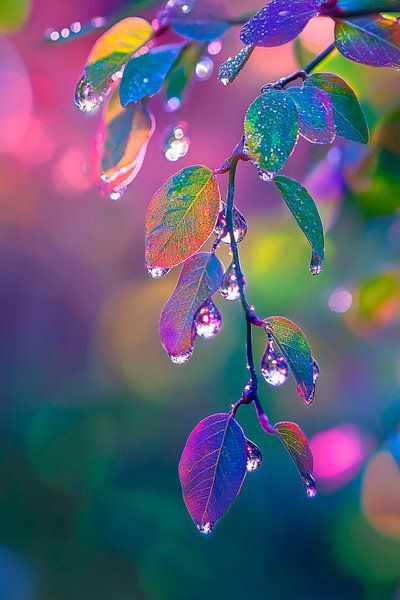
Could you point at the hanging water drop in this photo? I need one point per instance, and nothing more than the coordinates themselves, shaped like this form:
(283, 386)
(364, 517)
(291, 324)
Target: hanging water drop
(274, 367)
(205, 528)
(208, 320)
(204, 68)
(239, 227)
(176, 141)
(265, 175)
(309, 486)
(85, 99)
(230, 288)
(315, 370)
(315, 264)
(254, 456)
(157, 272)
(181, 359)
(117, 193)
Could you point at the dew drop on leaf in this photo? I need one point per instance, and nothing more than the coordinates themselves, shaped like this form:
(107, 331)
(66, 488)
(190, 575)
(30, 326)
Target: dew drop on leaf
(181, 359)
(176, 141)
(208, 320)
(117, 193)
(315, 370)
(309, 486)
(265, 175)
(254, 456)
(274, 367)
(205, 528)
(315, 264)
(157, 272)
(230, 289)
(85, 98)
(239, 226)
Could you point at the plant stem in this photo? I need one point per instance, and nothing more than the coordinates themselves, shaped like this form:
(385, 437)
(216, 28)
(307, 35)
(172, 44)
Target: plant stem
(302, 73)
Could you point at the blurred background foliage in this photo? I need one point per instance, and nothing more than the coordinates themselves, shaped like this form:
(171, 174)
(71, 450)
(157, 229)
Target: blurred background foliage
(94, 415)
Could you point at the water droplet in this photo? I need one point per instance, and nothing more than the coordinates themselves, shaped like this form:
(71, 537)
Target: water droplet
(274, 367)
(309, 486)
(172, 104)
(181, 359)
(254, 456)
(204, 68)
(205, 528)
(117, 193)
(265, 175)
(157, 272)
(176, 141)
(315, 370)
(208, 320)
(239, 227)
(315, 264)
(85, 99)
(230, 289)
(231, 68)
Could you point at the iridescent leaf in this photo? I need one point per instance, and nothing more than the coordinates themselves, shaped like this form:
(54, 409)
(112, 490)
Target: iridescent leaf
(212, 469)
(145, 74)
(303, 208)
(348, 115)
(200, 277)
(299, 450)
(279, 22)
(231, 68)
(120, 145)
(271, 129)
(315, 110)
(113, 49)
(180, 74)
(358, 5)
(373, 41)
(294, 346)
(200, 20)
(181, 216)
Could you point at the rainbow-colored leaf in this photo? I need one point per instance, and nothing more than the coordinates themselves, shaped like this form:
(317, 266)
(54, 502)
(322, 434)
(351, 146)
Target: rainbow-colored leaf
(212, 469)
(279, 22)
(271, 129)
(113, 49)
(201, 20)
(181, 216)
(315, 110)
(120, 145)
(145, 74)
(348, 116)
(294, 346)
(303, 209)
(358, 5)
(200, 277)
(373, 41)
(299, 450)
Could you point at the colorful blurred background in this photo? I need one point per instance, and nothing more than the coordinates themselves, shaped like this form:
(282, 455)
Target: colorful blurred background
(94, 415)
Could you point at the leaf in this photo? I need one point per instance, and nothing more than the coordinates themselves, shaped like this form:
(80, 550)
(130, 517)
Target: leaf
(181, 72)
(145, 74)
(294, 346)
(349, 118)
(200, 277)
(279, 22)
(201, 20)
(298, 447)
(271, 129)
(357, 5)
(231, 68)
(113, 49)
(181, 216)
(120, 144)
(315, 114)
(303, 209)
(212, 469)
(373, 41)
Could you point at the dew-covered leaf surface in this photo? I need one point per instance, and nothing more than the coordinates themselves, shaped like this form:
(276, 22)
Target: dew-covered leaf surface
(316, 123)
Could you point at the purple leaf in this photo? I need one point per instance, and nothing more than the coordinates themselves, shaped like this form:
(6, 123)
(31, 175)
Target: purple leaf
(279, 22)
(315, 110)
(212, 469)
(200, 277)
(373, 41)
(298, 447)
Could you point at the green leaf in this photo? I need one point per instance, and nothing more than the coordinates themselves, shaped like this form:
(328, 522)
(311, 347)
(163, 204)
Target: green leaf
(299, 450)
(271, 129)
(181, 216)
(349, 118)
(315, 114)
(145, 74)
(181, 72)
(200, 277)
(294, 346)
(303, 208)
(373, 41)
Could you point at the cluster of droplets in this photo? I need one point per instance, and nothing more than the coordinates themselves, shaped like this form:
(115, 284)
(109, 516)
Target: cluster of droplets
(239, 226)
(207, 320)
(254, 456)
(230, 287)
(75, 29)
(274, 367)
(231, 68)
(176, 141)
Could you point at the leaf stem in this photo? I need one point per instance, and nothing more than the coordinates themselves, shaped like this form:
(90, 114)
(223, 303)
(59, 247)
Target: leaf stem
(302, 73)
